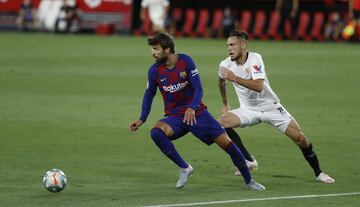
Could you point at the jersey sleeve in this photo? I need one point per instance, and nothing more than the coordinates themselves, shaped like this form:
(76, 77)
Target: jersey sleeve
(195, 82)
(258, 69)
(149, 94)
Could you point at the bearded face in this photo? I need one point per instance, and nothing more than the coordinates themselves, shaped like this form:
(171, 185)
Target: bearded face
(160, 55)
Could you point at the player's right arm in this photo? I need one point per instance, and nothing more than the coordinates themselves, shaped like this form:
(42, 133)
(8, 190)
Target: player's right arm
(149, 94)
(222, 88)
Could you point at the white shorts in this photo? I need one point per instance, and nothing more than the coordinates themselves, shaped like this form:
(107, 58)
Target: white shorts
(277, 117)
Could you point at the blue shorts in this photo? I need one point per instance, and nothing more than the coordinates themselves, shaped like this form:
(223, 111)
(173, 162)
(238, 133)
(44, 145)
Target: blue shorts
(206, 128)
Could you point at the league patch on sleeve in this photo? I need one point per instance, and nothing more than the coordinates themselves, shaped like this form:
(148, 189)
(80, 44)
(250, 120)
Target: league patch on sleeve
(258, 68)
(194, 72)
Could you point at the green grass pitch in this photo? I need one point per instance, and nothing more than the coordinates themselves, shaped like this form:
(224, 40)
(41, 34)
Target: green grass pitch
(66, 102)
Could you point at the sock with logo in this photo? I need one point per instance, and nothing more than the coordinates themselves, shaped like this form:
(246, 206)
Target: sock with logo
(239, 161)
(312, 159)
(237, 140)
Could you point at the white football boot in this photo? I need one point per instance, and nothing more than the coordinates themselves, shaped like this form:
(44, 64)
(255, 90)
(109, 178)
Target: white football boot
(325, 178)
(252, 165)
(185, 173)
(253, 185)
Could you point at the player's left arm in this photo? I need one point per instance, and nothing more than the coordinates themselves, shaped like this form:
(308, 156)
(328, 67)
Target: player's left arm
(195, 82)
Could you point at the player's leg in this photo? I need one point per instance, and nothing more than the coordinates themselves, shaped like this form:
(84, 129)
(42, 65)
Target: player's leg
(236, 156)
(230, 120)
(283, 121)
(238, 159)
(161, 134)
(296, 134)
(209, 130)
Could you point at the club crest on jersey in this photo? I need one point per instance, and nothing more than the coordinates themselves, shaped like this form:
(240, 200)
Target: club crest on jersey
(258, 68)
(183, 75)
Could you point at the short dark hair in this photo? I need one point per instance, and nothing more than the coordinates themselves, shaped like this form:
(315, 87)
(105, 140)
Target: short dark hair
(239, 34)
(164, 40)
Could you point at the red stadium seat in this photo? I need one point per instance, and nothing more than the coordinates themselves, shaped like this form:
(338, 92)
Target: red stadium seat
(145, 27)
(273, 26)
(260, 19)
(176, 14)
(201, 28)
(304, 20)
(190, 17)
(288, 29)
(176, 17)
(318, 24)
(245, 20)
(217, 19)
(216, 25)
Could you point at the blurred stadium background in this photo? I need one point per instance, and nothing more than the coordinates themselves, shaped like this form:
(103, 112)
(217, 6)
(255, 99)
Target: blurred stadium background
(198, 18)
(66, 101)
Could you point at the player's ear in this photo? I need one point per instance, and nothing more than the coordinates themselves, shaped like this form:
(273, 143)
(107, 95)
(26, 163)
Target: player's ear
(243, 45)
(167, 50)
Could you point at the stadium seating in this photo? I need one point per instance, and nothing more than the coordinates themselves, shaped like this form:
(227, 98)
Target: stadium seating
(260, 24)
(273, 26)
(316, 31)
(145, 28)
(304, 20)
(190, 16)
(260, 20)
(176, 17)
(201, 28)
(245, 20)
(216, 24)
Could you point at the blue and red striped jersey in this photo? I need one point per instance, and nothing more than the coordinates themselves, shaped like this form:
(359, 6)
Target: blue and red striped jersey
(180, 87)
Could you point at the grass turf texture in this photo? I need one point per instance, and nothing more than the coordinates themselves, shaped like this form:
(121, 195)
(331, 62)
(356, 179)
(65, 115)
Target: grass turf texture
(66, 102)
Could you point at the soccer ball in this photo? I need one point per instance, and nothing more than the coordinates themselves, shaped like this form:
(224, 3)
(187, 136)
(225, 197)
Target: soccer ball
(54, 180)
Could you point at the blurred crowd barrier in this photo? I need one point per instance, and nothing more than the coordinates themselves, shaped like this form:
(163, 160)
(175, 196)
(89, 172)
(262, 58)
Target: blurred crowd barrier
(68, 15)
(315, 20)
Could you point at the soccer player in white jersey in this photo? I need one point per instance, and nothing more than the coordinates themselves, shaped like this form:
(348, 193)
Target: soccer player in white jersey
(158, 10)
(259, 103)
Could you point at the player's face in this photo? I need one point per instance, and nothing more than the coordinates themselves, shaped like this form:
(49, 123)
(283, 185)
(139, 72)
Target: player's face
(159, 54)
(235, 47)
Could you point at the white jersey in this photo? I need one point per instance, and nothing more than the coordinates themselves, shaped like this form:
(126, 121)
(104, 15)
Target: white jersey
(156, 10)
(253, 68)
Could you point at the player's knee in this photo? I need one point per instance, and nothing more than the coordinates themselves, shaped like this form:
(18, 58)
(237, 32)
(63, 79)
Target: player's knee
(161, 140)
(156, 133)
(301, 140)
(224, 122)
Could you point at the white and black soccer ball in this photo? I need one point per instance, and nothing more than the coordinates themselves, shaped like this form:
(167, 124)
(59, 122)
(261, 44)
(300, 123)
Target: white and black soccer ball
(54, 180)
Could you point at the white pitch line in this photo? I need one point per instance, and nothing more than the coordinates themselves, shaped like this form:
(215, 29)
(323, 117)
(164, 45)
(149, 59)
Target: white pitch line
(256, 199)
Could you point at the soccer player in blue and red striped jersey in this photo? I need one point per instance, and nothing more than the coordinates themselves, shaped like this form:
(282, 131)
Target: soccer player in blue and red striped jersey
(178, 80)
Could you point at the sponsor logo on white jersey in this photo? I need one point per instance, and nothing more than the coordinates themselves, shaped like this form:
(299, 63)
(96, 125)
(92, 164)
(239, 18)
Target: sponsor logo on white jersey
(173, 88)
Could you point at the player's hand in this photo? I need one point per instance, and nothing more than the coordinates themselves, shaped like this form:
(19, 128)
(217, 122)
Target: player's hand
(135, 125)
(225, 109)
(189, 117)
(227, 74)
